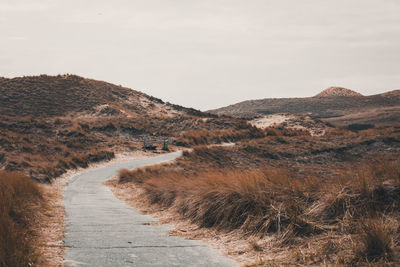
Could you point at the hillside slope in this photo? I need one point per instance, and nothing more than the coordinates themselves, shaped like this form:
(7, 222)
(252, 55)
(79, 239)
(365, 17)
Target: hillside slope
(339, 107)
(48, 96)
(49, 124)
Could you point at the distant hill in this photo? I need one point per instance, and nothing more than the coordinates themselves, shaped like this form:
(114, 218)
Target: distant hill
(336, 105)
(337, 91)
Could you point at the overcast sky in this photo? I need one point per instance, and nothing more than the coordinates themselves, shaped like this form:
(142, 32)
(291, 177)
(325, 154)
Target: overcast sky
(207, 53)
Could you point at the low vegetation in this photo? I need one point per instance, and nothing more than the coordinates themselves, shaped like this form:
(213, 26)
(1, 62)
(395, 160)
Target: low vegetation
(20, 202)
(332, 198)
(382, 110)
(50, 124)
(337, 216)
(203, 137)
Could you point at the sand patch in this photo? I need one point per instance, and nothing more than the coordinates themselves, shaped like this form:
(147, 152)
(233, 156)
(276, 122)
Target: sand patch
(291, 121)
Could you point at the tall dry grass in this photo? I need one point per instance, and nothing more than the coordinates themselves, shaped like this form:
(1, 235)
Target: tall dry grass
(246, 132)
(20, 199)
(269, 201)
(228, 200)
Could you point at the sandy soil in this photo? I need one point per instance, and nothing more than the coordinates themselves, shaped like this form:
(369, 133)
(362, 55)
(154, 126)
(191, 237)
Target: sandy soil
(270, 120)
(159, 109)
(242, 249)
(51, 224)
(291, 121)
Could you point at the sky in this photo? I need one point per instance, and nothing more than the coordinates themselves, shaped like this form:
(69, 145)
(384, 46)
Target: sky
(207, 53)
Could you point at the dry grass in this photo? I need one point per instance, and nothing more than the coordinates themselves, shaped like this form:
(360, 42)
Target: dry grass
(338, 219)
(380, 110)
(248, 200)
(244, 131)
(65, 122)
(47, 148)
(20, 201)
(50, 124)
(205, 137)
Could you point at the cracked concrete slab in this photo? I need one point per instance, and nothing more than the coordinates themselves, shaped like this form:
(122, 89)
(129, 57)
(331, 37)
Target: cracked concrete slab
(104, 231)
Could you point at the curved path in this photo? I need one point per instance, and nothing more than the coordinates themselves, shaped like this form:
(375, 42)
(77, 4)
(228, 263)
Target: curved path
(104, 231)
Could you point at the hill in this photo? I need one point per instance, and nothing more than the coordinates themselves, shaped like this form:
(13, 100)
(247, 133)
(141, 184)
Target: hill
(53, 123)
(337, 91)
(338, 106)
(49, 96)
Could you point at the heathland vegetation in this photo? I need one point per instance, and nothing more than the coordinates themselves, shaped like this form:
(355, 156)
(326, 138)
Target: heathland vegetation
(295, 197)
(51, 124)
(304, 200)
(336, 105)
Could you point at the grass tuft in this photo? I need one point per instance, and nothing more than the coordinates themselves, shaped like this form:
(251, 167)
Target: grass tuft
(376, 240)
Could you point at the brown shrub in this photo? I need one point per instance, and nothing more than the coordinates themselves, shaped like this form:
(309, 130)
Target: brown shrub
(376, 241)
(19, 200)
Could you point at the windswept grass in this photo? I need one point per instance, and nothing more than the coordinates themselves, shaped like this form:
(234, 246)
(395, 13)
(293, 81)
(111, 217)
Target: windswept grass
(245, 132)
(20, 200)
(246, 200)
(205, 137)
(294, 209)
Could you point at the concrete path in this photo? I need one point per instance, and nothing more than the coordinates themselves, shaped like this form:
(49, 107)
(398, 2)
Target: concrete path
(104, 231)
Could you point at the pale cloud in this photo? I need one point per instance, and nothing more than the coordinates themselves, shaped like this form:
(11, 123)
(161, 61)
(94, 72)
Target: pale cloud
(18, 6)
(16, 38)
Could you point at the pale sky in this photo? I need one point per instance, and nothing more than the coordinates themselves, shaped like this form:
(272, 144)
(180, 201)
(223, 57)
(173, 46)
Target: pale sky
(207, 53)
